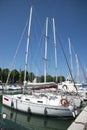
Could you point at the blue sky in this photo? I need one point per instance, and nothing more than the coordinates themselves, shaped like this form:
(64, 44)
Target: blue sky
(70, 19)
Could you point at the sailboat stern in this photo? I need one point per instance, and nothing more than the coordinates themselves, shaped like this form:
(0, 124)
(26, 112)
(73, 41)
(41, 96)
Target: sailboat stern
(73, 110)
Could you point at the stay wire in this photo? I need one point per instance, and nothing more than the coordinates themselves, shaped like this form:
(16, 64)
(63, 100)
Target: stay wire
(60, 43)
(14, 58)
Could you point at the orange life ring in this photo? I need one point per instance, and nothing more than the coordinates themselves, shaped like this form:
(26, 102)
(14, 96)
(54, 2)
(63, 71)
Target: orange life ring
(64, 102)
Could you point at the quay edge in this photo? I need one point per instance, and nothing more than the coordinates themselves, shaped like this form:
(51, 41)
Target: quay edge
(80, 122)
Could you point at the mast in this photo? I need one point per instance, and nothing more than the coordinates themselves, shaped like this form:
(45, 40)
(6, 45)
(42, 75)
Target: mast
(71, 63)
(77, 63)
(54, 32)
(45, 57)
(27, 46)
(66, 60)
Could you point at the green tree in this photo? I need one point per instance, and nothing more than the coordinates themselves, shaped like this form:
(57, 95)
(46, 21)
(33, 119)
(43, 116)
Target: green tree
(42, 78)
(14, 76)
(22, 75)
(31, 76)
(5, 74)
(19, 76)
(49, 78)
(61, 78)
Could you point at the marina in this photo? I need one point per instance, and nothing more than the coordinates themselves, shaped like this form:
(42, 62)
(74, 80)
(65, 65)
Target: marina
(47, 104)
(44, 85)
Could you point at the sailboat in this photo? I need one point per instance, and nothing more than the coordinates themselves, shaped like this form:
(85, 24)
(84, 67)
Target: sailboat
(47, 104)
(76, 88)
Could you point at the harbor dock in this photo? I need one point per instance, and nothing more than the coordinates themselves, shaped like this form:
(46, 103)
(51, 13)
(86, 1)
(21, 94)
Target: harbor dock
(80, 122)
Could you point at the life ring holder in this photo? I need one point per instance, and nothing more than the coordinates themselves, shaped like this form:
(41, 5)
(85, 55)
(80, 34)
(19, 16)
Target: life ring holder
(64, 102)
(65, 87)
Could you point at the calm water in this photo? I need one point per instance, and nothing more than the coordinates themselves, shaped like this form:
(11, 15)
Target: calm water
(16, 120)
(20, 121)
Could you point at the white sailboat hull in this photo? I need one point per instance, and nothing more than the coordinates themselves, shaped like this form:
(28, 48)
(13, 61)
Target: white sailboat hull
(35, 108)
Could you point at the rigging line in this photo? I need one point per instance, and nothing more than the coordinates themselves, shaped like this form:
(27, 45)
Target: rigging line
(37, 18)
(39, 48)
(80, 64)
(82, 69)
(60, 43)
(14, 58)
(40, 26)
(77, 63)
(76, 57)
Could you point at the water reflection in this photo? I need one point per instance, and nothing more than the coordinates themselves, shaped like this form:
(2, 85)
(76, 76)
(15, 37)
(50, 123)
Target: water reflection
(16, 120)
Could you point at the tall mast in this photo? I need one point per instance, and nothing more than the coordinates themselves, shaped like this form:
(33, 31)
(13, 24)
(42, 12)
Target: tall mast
(71, 63)
(54, 32)
(27, 46)
(77, 63)
(45, 57)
